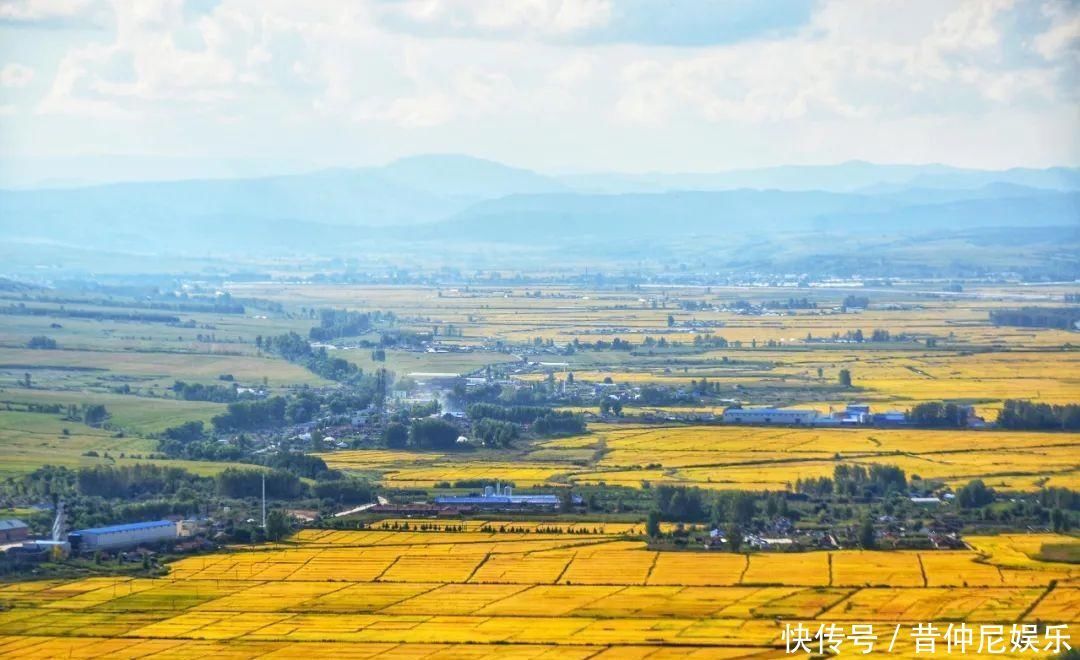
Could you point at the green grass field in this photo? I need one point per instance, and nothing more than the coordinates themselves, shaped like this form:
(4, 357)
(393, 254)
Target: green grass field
(131, 414)
(150, 368)
(30, 440)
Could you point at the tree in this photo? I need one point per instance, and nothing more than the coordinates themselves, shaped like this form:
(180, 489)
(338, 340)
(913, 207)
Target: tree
(867, 539)
(41, 341)
(396, 435)
(734, 536)
(566, 500)
(277, 525)
(974, 495)
(433, 434)
(94, 414)
(1057, 520)
(652, 524)
(844, 378)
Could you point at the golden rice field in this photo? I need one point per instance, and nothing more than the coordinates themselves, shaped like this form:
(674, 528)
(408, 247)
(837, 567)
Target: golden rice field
(481, 594)
(745, 458)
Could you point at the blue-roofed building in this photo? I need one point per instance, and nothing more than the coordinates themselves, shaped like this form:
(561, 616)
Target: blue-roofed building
(496, 501)
(115, 537)
(499, 497)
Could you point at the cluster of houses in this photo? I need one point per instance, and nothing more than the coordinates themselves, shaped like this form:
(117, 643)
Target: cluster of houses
(781, 535)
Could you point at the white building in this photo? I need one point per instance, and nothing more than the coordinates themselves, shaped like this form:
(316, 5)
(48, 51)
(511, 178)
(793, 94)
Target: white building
(769, 416)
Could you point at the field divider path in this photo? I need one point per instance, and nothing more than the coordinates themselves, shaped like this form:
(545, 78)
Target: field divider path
(1035, 603)
(648, 574)
(565, 568)
(302, 566)
(378, 578)
(836, 603)
(477, 568)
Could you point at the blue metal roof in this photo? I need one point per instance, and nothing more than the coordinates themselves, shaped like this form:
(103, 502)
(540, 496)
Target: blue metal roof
(499, 499)
(124, 528)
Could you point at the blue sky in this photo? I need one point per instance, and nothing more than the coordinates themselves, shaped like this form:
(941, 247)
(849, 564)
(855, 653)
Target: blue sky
(556, 85)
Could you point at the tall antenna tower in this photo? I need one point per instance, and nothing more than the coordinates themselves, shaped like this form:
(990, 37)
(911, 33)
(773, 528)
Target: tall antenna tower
(264, 500)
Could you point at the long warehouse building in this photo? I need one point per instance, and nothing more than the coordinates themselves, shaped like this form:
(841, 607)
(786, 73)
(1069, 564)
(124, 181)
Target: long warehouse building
(123, 536)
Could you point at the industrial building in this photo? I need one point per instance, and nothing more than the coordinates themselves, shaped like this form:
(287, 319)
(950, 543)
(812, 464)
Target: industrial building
(769, 416)
(12, 530)
(499, 497)
(117, 537)
(855, 414)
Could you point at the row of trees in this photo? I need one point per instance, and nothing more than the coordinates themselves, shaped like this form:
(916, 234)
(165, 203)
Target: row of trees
(41, 342)
(337, 323)
(21, 309)
(201, 392)
(935, 414)
(134, 481)
(1062, 318)
(249, 415)
(91, 414)
(541, 420)
(426, 433)
(856, 481)
(1028, 415)
(295, 348)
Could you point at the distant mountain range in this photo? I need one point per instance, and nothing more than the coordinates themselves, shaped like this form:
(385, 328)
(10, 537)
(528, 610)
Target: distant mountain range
(448, 197)
(853, 176)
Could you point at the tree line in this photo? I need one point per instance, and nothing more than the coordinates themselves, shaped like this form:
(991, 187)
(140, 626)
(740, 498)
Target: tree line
(1061, 318)
(1028, 415)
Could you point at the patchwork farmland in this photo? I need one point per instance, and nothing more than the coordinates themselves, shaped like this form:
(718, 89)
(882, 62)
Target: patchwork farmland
(536, 594)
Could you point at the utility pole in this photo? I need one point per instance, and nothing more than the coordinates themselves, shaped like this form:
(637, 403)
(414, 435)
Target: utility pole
(264, 501)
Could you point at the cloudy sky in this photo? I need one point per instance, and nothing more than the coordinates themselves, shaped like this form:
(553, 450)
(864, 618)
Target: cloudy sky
(557, 85)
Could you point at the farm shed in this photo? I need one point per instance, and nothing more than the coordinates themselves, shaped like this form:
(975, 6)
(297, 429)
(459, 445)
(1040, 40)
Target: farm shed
(769, 416)
(123, 536)
(13, 529)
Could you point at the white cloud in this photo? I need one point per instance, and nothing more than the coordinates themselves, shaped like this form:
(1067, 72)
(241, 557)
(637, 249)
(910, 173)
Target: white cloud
(537, 18)
(56, 12)
(16, 75)
(1062, 38)
(330, 71)
(848, 64)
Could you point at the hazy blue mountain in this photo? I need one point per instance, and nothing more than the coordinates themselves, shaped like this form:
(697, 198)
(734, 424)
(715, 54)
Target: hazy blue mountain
(466, 177)
(410, 191)
(914, 195)
(716, 213)
(446, 197)
(1055, 178)
(851, 176)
